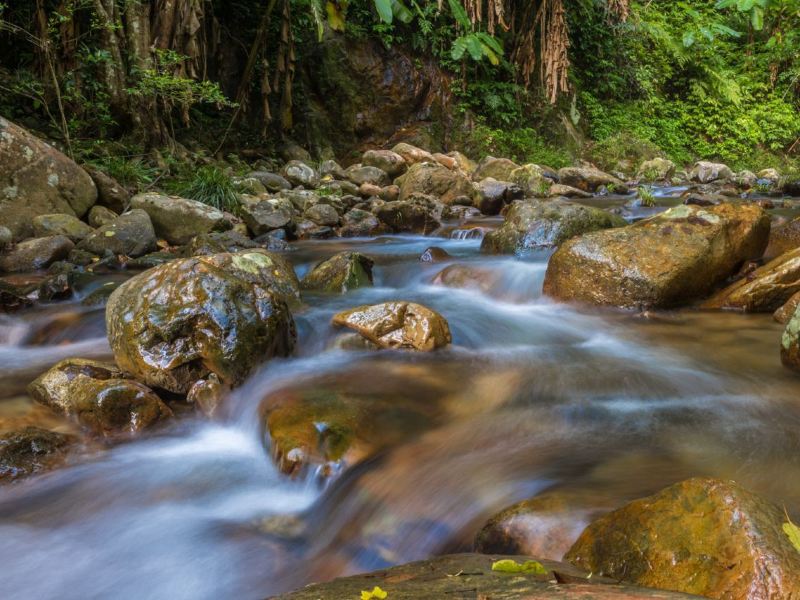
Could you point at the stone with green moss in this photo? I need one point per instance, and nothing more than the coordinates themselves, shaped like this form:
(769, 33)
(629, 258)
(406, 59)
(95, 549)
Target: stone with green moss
(130, 234)
(340, 274)
(432, 179)
(66, 225)
(223, 314)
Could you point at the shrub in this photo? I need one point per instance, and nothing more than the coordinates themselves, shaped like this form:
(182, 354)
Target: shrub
(210, 185)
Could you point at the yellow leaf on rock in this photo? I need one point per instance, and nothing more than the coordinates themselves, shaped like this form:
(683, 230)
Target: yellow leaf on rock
(792, 531)
(511, 566)
(376, 594)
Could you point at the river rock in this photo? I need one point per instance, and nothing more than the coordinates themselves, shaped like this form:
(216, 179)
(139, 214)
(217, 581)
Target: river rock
(361, 174)
(66, 225)
(470, 576)
(262, 215)
(565, 191)
(36, 253)
(386, 160)
(13, 298)
(339, 274)
(783, 237)
(434, 254)
(535, 225)
(435, 180)
(271, 181)
(701, 536)
(397, 325)
(493, 195)
(110, 193)
(322, 214)
(331, 169)
(130, 234)
(100, 216)
(708, 172)
(466, 278)
(37, 179)
(656, 169)
(176, 219)
(589, 179)
(666, 260)
(411, 154)
(531, 178)
(360, 223)
(496, 168)
(764, 290)
(223, 314)
(418, 214)
(99, 396)
(6, 237)
(30, 451)
(785, 313)
(299, 173)
(218, 242)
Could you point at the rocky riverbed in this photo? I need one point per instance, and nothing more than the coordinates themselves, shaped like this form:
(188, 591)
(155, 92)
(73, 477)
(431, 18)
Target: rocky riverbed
(417, 355)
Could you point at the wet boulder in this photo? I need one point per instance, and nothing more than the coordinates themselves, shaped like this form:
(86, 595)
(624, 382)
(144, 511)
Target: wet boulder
(493, 195)
(417, 214)
(262, 215)
(340, 274)
(386, 160)
(709, 172)
(360, 223)
(36, 179)
(664, 261)
(466, 278)
(299, 173)
(66, 225)
(177, 219)
(535, 225)
(471, 576)
(100, 215)
(496, 168)
(589, 179)
(701, 536)
(432, 179)
(764, 290)
(130, 234)
(30, 450)
(223, 314)
(99, 396)
(656, 169)
(403, 325)
(110, 193)
(36, 253)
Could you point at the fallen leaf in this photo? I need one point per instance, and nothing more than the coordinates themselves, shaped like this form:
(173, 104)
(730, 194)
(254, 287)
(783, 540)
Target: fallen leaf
(792, 531)
(376, 594)
(511, 566)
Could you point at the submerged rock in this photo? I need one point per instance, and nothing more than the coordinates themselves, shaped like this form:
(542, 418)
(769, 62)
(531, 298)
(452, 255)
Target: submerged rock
(470, 576)
(30, 451)
(37, 179)
(397, 325)
(99, 396)
(764, 290)
(666, 260)
(131, 234)
(222, 314)
(701, 536)
(466, 277)
(340, 273)
(535, 225)
(177, 219)
(35, 254)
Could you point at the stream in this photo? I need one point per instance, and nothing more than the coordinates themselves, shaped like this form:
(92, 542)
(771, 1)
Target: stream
(532, 396)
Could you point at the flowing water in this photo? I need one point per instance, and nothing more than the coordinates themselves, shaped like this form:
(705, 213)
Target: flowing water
(531, 396)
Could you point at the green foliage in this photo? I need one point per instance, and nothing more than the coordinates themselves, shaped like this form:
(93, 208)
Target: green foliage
(523, 145)
(646, 196)
(132, 172)
(210, 185)
(622, 147)
(792, 531)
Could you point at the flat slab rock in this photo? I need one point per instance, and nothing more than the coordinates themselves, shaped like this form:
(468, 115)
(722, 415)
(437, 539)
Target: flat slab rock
(470, 576)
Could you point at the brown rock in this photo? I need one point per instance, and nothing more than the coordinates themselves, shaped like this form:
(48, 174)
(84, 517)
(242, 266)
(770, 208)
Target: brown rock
(435, 180)
(785, 313)
(435, 254)
(35, 254)
(783, 237)
(496, 168)
(110, 193)
(701, 536)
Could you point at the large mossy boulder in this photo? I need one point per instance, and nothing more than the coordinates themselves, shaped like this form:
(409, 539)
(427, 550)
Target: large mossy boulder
(99, 396)
(496, 168)
(432, 179)
(764, 290)
(36, 253)
(701, 536)
(177, 219)
(664, 261)
(130, 234)
(589, 179)
(36, 179)
(471, 577)
(340, 274)
(537, 225)
(403, 325)
(222, 314)
(30, 450)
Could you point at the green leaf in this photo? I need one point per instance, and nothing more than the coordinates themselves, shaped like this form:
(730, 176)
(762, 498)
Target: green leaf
(757, 18)
(336, 16)
(459, 14)
(459, 47)
(401, 12)
(490, 41)
(511, 566)
(792, 531)
(688, 39)
(489, 53)
(474, 47)
(384, 8)
(376, 594)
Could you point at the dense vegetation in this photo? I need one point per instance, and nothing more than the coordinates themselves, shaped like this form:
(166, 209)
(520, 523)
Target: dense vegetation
(122, 81)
